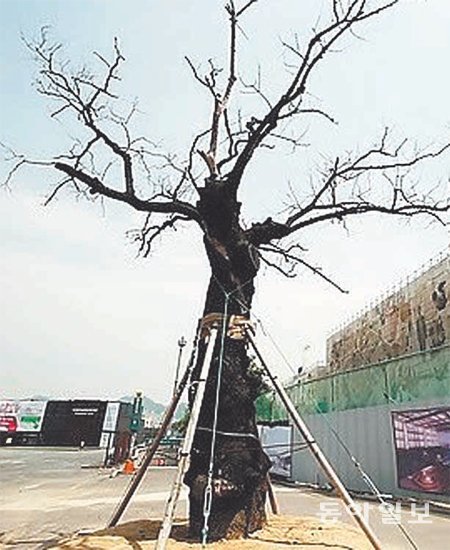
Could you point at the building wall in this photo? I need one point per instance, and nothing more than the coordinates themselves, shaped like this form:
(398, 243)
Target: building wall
(394, 357)
(416, 317)
(72, 423)
(67, 423)
(355, 410)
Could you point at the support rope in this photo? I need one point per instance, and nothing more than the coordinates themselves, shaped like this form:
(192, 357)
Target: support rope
(228, 434)
(207, 504)
(365, 477)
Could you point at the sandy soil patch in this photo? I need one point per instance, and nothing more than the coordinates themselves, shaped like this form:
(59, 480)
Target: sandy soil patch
(281, 532)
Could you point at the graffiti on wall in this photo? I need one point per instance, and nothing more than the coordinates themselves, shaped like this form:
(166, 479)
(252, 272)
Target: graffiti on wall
(414, 318)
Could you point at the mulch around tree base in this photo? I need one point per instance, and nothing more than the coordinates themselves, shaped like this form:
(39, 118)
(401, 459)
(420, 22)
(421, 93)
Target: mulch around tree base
(280, 532)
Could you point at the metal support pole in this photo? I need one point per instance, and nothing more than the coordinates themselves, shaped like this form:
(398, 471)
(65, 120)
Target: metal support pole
(183, 463)
(151, 450)
(108, 447)
(272, 498)
(181, 343)
(317, 452)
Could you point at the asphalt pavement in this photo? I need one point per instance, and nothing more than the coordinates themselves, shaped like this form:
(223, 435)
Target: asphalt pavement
(47, 493)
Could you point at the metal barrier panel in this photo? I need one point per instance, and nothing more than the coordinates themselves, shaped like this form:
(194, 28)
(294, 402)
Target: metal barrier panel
(359, 407)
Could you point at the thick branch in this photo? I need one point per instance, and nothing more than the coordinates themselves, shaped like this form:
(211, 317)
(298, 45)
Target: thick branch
(96, 186)
(220, 100)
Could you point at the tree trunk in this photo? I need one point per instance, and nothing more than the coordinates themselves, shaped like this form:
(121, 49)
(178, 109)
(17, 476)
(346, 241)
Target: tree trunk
(240, 465)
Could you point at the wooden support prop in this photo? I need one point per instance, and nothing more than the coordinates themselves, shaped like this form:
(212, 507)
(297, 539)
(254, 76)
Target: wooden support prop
(272, 497)
(151, 450)
(317, 452)
(183, 463)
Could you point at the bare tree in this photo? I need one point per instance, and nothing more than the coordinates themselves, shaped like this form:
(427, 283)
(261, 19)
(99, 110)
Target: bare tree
(203, 188)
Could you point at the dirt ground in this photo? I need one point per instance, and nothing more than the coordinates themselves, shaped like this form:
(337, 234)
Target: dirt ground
(281, 531)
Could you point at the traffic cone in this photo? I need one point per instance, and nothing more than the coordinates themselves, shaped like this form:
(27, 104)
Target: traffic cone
(128, 467)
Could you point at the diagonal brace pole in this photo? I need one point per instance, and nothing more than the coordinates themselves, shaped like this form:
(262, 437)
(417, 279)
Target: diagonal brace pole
(183, 463)
(316, 450)
(168, 415)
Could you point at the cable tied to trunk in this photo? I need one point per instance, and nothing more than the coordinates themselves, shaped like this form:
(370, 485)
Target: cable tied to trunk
(207, 503)
(234, 327)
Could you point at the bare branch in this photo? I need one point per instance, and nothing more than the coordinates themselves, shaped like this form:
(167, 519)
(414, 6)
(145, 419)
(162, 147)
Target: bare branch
(150, 233)
(380, 179)
(403, 201)
(203, 81)
(220, 100)
(18, 161)
(291, 260)
(90, 99)
(245, 7)
(343, 193)
(319, 45)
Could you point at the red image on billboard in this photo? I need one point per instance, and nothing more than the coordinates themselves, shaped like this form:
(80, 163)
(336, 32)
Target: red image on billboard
(422, 446)
(8, 424)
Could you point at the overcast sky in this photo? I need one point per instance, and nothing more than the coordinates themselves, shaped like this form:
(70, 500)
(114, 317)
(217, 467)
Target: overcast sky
(80, 314)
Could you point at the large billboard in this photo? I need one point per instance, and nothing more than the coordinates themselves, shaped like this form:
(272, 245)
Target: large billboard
(422, 448)
(414, 318)
(21, 416)
(73, 423)
(276, 442)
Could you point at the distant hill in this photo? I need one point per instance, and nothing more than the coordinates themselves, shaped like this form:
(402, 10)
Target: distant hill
(151, 406)
(39, 398)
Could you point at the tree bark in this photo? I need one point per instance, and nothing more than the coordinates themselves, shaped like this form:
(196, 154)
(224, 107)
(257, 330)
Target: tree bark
(240, 465)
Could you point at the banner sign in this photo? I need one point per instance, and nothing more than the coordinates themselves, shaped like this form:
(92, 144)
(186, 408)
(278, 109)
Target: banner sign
(422, 447)
(21, 416)
(277, 444)
(111, 416)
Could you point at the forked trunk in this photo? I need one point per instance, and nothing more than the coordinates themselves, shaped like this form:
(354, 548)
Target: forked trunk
(239, 464)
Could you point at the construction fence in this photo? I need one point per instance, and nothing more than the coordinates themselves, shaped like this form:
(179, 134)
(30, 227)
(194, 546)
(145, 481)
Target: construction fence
(392, 417)
(419, 377)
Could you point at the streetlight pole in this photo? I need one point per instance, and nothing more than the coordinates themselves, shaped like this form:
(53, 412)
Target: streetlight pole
(181, 343)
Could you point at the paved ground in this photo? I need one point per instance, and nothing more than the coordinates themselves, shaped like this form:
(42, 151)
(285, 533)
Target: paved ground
(48, 492)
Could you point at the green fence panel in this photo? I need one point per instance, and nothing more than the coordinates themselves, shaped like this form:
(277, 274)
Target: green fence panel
(315, 396)
(420, 377)
(358, 389)
(269, 408)
(278, 411)
(263, 406)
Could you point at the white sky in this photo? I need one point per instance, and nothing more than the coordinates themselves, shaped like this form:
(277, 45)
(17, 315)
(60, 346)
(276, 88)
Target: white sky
(80, 315)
